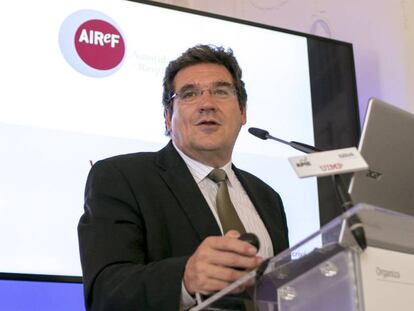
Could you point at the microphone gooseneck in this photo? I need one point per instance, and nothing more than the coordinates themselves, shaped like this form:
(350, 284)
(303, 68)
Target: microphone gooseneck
(263, 134)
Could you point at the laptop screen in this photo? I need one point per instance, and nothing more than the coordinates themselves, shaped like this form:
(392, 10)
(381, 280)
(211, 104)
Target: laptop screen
(387, 144)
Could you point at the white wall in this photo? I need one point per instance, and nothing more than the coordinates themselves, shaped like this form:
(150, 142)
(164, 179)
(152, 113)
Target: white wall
(382, 34)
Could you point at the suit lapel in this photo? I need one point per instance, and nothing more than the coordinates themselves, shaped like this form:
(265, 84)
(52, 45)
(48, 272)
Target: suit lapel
(178, 178)
(268, 214)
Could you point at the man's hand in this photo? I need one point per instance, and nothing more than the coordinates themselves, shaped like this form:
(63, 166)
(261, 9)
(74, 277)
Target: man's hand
(213, 265)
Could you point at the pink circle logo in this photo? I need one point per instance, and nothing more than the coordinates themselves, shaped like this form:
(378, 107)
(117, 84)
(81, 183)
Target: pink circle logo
(92, 43)
(99, 44)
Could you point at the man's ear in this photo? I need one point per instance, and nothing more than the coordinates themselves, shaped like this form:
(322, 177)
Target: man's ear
(167, 117)
(244, 116)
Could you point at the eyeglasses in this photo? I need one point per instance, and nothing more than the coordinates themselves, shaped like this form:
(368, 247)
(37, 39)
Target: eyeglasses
(190, 94)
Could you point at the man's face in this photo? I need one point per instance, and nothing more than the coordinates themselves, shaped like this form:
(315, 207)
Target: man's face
(205, 129)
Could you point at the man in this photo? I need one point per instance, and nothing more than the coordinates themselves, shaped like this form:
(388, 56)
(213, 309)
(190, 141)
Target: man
(151, 236)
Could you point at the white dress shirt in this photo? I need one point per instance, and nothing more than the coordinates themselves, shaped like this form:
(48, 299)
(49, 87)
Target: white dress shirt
(241, 201)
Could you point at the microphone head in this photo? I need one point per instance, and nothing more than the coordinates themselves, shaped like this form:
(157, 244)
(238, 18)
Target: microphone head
(262, 134)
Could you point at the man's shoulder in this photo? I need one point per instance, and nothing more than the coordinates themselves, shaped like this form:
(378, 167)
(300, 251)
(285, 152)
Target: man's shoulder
(138, 163)
(131, 157)
(127, 158)
(141, 160)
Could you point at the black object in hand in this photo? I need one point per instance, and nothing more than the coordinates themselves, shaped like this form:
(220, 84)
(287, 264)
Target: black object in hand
(250, 238)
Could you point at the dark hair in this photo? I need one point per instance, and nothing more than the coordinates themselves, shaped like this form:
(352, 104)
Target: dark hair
(209, 54)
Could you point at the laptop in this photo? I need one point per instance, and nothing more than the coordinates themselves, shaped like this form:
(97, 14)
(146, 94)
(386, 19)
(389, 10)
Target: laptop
(387, 144)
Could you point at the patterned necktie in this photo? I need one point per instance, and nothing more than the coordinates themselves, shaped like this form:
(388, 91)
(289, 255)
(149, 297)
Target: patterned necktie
(225, 209)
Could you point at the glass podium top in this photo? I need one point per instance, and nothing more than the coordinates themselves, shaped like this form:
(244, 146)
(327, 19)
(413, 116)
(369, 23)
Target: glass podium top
(380, 228)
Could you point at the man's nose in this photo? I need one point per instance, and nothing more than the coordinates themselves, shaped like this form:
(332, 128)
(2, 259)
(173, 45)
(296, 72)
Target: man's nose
(206, 101)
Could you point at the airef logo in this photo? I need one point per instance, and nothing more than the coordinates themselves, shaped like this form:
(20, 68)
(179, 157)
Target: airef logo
(92, 43)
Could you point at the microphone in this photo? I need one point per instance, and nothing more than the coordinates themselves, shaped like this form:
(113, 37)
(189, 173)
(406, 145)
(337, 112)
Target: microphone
(354, 222)
(263, 134)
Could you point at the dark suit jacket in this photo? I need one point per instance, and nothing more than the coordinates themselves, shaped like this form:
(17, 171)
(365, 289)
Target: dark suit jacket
(144, 216)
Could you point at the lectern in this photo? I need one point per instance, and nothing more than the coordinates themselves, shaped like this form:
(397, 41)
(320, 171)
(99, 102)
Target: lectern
(329, 271)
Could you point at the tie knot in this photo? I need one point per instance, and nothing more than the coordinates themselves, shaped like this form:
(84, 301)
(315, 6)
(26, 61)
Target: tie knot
(217, 175)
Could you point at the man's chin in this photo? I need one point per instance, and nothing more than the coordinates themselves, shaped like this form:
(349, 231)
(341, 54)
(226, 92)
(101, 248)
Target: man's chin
(209, 144)
(208, 148)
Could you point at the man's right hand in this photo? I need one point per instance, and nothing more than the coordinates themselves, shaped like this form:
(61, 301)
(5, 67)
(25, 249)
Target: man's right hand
(215, 263)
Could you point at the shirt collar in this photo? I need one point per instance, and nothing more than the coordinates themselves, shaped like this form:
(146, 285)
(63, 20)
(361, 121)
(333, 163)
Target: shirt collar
(200, 170)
